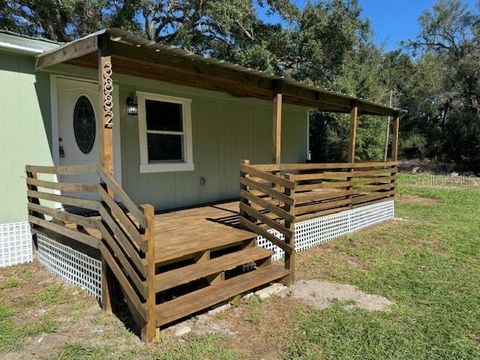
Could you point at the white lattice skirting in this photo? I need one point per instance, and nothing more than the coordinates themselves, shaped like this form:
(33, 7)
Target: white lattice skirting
(15, 244)
(72, 265)
(316, 231)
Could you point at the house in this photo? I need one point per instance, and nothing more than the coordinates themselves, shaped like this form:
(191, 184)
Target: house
(216, 153)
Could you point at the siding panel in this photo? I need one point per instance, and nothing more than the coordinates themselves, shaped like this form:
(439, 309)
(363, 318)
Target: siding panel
(25, 124)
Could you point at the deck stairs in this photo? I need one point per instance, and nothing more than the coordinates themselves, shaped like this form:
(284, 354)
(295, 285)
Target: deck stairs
(210, 276)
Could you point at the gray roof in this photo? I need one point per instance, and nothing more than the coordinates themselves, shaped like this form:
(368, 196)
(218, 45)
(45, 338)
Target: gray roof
(24, 44)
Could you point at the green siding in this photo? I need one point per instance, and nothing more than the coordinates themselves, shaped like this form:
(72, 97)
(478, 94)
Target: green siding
(225, 131)
(25, 130)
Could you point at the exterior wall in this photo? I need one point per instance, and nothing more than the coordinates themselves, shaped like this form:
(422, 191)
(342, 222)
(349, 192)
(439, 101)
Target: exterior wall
(225, 131)
(25, 130)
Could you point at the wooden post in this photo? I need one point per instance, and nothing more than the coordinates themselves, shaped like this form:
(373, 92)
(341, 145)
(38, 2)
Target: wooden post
(351, 148)
(245, 188)
(277, 127)
(353, 134)
(290, 258)
(149, 330)
(396, 127)
(105, 84)
(107, 288)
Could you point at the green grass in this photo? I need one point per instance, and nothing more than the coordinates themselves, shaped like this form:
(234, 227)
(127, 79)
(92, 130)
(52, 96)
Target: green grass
(428, 264)
(13, 334)
(8, 284)
(209, 347)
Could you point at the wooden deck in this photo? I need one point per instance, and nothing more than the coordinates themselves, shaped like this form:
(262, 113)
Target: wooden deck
(183, 233)
(173, 264)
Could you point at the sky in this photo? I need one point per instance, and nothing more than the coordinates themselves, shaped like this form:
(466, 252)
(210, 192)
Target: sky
(395, 20)
(392, 20)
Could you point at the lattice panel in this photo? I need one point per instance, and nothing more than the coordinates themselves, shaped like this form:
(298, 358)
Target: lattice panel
(15, 244)
(313, 232)
(278, 253)
(369, 215)
(72, 265)
(316, 231)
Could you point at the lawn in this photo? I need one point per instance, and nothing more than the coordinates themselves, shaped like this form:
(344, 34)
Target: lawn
(427, 262)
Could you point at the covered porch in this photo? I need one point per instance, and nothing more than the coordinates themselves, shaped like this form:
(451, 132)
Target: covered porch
(169, 265)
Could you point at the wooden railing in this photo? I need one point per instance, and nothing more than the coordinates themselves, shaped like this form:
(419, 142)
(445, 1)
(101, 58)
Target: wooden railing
(275, 196)
(267, 201)
(111, 222)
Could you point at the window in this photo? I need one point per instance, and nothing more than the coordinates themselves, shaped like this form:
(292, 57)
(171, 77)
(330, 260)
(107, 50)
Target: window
(84, 124)
(165, 130)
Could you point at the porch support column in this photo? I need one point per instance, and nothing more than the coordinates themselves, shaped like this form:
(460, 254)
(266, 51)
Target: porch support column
(105, 84)
(396, 127)
(353, 134)
(277, 124)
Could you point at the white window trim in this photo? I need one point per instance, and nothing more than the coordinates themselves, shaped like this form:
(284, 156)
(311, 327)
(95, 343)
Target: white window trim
(187, 164)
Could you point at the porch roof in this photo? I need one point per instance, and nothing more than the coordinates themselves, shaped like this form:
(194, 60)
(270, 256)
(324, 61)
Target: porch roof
(134, 55)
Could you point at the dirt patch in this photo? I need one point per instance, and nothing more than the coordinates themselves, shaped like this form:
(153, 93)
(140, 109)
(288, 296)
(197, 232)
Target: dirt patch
(49, 313)
(416, 200)
(321, 294)
(263, 328)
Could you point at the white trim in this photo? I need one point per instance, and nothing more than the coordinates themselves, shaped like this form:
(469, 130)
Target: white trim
(117, 136)
(187, 164)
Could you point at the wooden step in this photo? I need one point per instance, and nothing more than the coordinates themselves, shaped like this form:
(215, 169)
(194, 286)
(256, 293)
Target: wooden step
(185, 274)
(214, 294)
(185, 246)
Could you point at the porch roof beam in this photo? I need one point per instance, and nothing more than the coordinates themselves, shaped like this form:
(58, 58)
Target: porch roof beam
(63, 54)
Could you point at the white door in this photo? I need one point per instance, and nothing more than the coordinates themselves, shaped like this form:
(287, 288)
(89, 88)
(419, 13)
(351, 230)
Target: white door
(78, 127)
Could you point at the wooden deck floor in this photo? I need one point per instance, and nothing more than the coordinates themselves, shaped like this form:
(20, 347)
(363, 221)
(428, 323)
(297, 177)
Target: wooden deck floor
(184, 232)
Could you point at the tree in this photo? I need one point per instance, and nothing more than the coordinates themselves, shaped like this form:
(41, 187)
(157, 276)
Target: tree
(54, 19)
(443, 95)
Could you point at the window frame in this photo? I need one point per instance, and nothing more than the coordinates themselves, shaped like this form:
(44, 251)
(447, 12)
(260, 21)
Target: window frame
(165, 166)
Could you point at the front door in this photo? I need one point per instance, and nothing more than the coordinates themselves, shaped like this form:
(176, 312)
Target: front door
(78, 127)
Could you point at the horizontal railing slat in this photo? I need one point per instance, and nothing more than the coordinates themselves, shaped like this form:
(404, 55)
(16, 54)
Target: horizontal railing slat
(65, 216)
(345, 174)
(317, 195)
(63, 170)
(374, 196)
(65, 200)
(71, 187)
(73, 234)
(247, 169)
(300, 210)
(322, 166)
